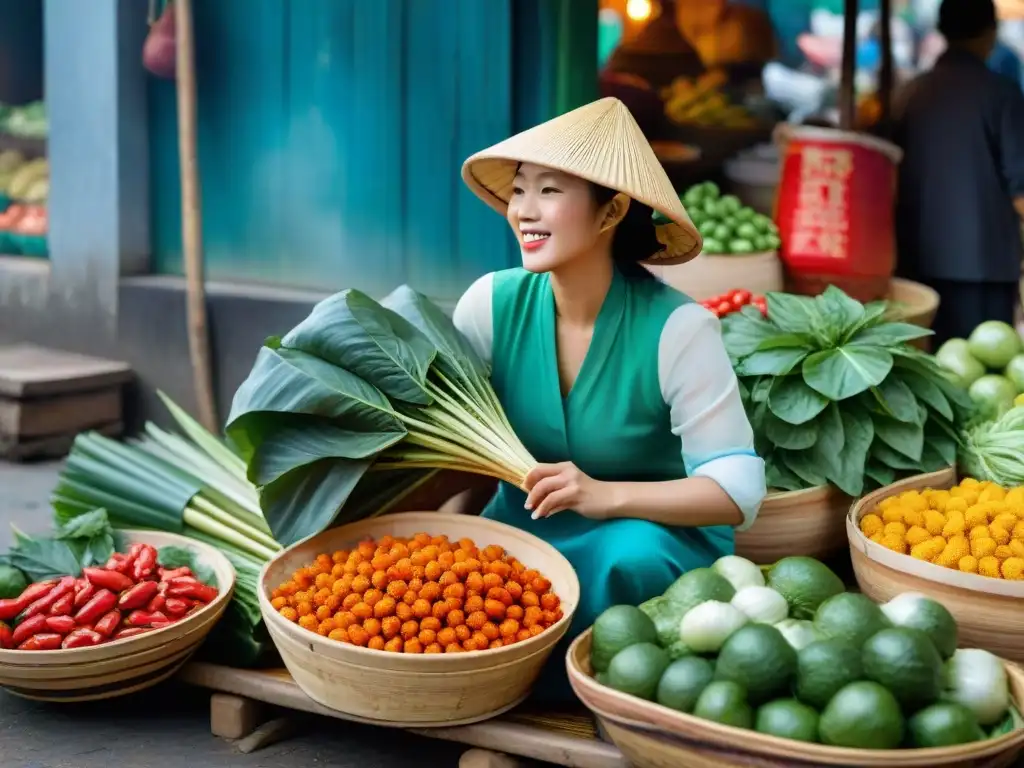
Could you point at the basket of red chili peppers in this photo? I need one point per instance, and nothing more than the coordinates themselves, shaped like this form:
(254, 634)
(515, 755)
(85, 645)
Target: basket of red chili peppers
(114, 629)
(733, 301)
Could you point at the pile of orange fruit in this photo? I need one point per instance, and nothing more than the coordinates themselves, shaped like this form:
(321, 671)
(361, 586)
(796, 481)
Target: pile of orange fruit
(423, 594)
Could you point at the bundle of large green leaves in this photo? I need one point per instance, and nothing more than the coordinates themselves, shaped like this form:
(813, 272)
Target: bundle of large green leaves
(836, 395)
(360, 388)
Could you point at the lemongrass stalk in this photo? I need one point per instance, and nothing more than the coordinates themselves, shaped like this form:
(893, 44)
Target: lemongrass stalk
(390, 504)
(447, 464)
(201, 521)
(486, 402)
(427, 440)
(218, 514)
(210, 444)
(452, 436)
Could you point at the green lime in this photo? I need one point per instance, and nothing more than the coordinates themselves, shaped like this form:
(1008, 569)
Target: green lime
(823, 668)
(758, 658)
(993, 394)
(915, 611)
(666, 616)
(955, 356)
(805, 583)
(710, 190)
(944, 725)
(851, 617)
(682, 683)
(729, 204)
(699, 585)
(636, 670)
(740, 245)
(787, 719)
(713, 246)
(710, 208)
(12, 582)
(994, 343)
(747, 231)
(907, 663)
(723, 232)
(617, 628)
(862, 715)
(725, 702)
(761, 244)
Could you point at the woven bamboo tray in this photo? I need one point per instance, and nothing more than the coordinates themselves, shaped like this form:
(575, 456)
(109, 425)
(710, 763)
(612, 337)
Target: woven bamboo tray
(417, 690)
(653, 736)
(707, 275)
(123, 666)
(808, 523)
(989, 612)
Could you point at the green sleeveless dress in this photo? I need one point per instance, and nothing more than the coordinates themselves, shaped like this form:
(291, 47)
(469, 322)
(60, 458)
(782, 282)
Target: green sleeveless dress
(614, 425)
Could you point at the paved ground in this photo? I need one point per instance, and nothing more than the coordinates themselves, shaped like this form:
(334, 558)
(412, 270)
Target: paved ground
(168, 727)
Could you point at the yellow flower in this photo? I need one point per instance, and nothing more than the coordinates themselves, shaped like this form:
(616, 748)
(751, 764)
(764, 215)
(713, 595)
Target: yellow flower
(980, 532)
(955, 523)
(969, 564)
(916, 534)
(1018, 531)
(983, 547)
(955, 504)
(913, 517)
(913, 500)
(887, 502)
(969, 482)
(1015, 497)
(934, 522)
(992, 493)
(939, 500)
(989, 566)
(892, 514)
(1002, 552)
(1017, 548)
(928, 550)
(1013, 569)
(956, 548)
(871, 524)
(975, 516)
(895, 529)
(1005, 520)
(894, 541)
(1001, 535)
(877, 538)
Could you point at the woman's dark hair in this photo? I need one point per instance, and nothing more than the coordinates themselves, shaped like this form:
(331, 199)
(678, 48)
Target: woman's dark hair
(634, 240)
(962, 20)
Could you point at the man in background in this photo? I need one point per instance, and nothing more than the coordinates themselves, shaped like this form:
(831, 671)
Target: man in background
(960, 198)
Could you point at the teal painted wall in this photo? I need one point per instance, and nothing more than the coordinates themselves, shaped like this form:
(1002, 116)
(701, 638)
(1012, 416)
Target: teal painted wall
(331, 135)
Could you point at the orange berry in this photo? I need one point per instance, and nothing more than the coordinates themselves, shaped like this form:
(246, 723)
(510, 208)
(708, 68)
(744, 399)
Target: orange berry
(427, 636)
(431, 591)
(357, 635)
(500, 569)
(509, 628)
(416, 584)
(431, 623)
(514, 612)
(421, 608)
(473, 604)
(446, 560)
(493, 581)
(475, 582)
(529, 598)
(324, 580)
(463, 633)
(413, 646)
(385, 607)
(481, 640)
(473, 564)
(454, 648)
(379, 579)
(469, 644)
(403, 568)
(345, 619)
(455, 618)
(339, 635)
(376, 643)
(549, 601)
(446, 636)
(304, 608)
(434, 648)
(289, 613)
(495, 609)
(398, 588)
(279, 602)
(515, 589)
(410, 629)
(447, 579)
(394, 645)
(360, 584)
(309, 622)
(496, 644)
(372, 626)
(323, 613)
(419, 558)
(341, 587)
(365, 568)
(476, 620)
(490, 631)
(382, 561)
(439, 609)
(362, 611)
(533, 615)
(372, 596)
(403, 611)
(390, 626)
(550, 617)
(409, 597)
(340, 556)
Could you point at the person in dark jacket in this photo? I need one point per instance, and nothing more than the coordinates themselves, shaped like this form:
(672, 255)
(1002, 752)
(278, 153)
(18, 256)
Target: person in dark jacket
(960, 197)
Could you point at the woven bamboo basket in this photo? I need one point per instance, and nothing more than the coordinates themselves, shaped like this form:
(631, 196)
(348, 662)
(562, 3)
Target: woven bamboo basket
(417, 690)
(916, 304)
(652, 736)
(706, 275)
(808, 523)
(124, 666)
(988, 611)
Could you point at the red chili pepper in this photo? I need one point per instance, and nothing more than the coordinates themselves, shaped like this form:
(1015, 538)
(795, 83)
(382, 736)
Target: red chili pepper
(115, 562)
(10, 608)
(130, 632)
(109, 623)
(145, 563)
(166, 574)
(47, 641)
(64, 606)
(30, 594)
(82, 638)
(176, 606)
(103, 602)
(84, 594)
(162, 624)
(104, 579)
(43, 604)
(137, 596)
(60, 624)
(196, 591)
(6, 636)
(144, 618)
(29, 627)
(157, 603)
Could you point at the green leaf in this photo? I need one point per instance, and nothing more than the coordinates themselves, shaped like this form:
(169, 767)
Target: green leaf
(1008, 724)
(779, 477)
(95, 523)
(880, 472)
(804, 466)
(892, 459)
(308, 499)
(938, 437)
(793, 437)
(793, 401)
(772, 362)
(925, 390)
(793, 314)
(178, 557)
(379, 490)
(907, 438)
(784, 340)
(825, 452)
(354, 332)
(889, 335)
(849, 469)
(846, 371)
(743, 334)
(761, 389)
(874, 314)
(285, 385)
(41, 559)
(897, 399)
(843, 312)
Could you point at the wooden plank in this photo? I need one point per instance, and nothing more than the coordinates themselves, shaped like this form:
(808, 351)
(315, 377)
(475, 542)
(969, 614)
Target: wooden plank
(30, 371)
(532, 737)
(59, 415)
(52, 447)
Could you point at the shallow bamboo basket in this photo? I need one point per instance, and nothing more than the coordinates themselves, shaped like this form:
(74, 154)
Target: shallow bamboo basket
(417, 690)
(989, 612)
(808, 523)
(652, 736)
(123, 666)
(708, 275)
(916, 304)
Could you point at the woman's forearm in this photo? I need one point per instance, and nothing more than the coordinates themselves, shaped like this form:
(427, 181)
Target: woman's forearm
(690, 502)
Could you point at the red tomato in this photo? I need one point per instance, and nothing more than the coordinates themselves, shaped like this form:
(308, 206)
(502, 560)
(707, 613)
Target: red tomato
(739, 298)
(724, 308)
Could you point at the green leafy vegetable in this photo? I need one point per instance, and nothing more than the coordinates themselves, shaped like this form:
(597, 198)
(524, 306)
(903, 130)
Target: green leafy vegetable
(41, 559)
(178, 557)
(994, 450)
(836, 395)
(90, 537)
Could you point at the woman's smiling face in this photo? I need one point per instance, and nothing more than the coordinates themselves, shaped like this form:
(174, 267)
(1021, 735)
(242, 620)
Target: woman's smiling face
(554, 217)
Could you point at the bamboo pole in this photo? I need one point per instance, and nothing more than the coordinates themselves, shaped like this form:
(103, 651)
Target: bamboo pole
(192, 220)
(847, 84)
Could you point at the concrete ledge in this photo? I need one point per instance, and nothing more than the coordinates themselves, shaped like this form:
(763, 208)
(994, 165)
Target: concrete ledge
(24, 284)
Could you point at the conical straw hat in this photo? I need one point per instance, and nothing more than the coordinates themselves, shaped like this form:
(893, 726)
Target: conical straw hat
(599, 142)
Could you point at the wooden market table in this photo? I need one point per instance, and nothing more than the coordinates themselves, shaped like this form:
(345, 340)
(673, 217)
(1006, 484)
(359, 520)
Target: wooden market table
(567, 739)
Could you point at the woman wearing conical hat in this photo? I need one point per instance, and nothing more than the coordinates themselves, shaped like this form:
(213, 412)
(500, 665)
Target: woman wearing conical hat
(617, 382)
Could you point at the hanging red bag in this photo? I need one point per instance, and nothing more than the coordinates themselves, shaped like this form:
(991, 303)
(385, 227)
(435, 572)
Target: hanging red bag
(159, 53)
(834, 211)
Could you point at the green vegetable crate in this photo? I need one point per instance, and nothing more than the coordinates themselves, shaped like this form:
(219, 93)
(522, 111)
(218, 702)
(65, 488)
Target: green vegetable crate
(653, 736)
